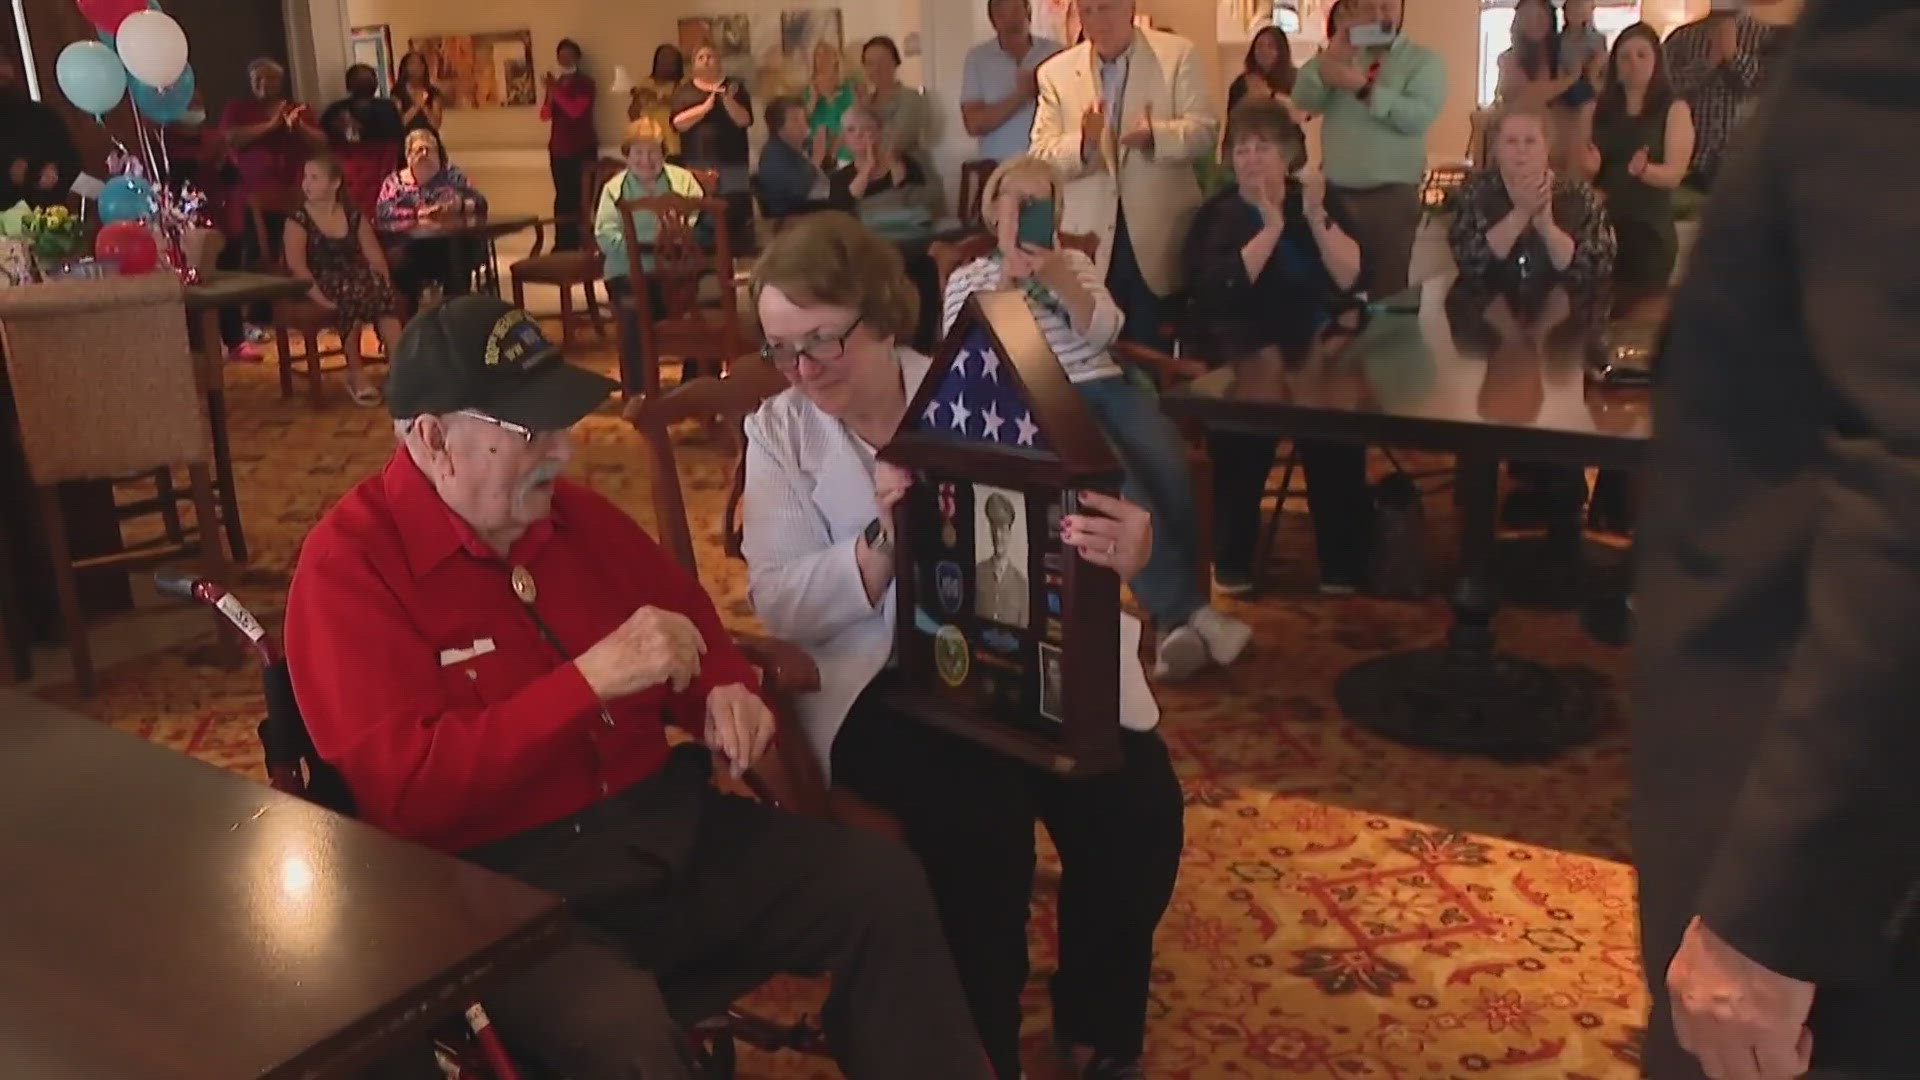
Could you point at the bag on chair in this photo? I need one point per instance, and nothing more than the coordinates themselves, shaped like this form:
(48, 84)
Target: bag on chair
(1398, 569)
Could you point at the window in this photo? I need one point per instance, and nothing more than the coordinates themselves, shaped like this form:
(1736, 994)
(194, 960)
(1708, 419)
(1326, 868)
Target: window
(1496, 28)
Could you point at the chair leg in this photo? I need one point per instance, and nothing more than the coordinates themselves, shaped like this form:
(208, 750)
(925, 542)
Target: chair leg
(593, 312)
(67, 586)
(316, 391)
(283, 342)
(519, 293)
(1270, 530)
(1200, 468)
(212, 561)
(169, 505)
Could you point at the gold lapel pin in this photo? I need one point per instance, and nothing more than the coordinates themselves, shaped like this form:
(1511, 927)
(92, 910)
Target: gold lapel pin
(523, 586)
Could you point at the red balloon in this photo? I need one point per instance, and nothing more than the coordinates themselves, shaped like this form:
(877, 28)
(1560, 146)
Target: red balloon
(109, 14)
(128, 243)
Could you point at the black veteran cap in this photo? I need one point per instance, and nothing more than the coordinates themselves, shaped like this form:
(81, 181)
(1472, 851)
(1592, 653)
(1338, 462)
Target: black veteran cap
(479, 353)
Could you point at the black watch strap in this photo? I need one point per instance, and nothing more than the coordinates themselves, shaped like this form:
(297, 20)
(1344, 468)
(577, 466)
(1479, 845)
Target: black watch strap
(876, 536)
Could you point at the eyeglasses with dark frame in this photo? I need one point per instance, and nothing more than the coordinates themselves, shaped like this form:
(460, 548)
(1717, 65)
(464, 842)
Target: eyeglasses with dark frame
(786, 358)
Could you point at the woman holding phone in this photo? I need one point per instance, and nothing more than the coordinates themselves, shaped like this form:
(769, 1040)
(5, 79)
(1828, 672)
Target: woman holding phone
(1020, 203)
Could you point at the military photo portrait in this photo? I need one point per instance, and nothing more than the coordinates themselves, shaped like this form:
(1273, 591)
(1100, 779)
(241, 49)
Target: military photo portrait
(1000, 550)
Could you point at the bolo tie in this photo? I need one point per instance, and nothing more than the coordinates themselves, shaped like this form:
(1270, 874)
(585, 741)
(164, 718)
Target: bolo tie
(527, 592)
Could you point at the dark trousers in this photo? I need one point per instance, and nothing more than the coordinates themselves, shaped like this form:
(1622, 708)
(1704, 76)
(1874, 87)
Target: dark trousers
(1384, 221)
(1338, 499)
(969, 815)
(686, 898)
(449, 260)
(568, 171)
(1137, 300)
(633, 355)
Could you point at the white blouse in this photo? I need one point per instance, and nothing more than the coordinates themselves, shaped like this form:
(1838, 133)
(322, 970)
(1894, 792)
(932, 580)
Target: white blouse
(809, 496)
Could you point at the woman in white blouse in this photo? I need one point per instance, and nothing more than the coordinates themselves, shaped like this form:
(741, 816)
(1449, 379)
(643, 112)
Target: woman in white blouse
(833, 301)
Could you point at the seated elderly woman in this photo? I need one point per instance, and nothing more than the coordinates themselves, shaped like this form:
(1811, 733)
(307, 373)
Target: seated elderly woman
(427, 190)
(1081, 321)
(818, 515)
(791, 179)
(879, 175)
(1521, 222)
(1267, 267)
(489, 654)
(647, 173)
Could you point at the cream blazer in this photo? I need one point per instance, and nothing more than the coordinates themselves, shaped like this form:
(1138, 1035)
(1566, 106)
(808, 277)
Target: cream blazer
(1158, 188)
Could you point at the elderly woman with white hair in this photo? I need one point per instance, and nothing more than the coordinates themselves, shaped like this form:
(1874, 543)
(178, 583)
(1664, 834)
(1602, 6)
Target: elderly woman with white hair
(426, 189)
(835, 307)
(271, 138)
(1020, 203)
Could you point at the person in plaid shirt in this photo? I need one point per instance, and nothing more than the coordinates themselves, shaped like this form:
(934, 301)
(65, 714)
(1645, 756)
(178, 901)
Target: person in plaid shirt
(1718, 64)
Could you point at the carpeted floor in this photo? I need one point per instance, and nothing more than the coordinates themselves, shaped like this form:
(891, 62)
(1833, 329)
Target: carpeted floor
(1348, 908)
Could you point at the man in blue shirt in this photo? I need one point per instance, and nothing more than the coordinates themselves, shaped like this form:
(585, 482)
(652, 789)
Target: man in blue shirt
(1000, 83)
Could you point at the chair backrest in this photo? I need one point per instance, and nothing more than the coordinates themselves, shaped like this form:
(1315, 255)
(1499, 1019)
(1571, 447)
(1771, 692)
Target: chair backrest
(681, 259)
(973, 181)
(293, 765)
(103, 378)
(709, 180)
(595, 176)
(733, 397)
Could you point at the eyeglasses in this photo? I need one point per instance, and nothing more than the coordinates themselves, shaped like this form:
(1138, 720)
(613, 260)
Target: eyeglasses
(527, 434)
(820, 349)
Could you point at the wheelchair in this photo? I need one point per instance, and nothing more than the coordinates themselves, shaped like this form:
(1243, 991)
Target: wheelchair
(470, 1049)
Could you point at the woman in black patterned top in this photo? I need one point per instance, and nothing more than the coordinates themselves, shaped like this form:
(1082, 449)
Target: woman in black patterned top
(1520, 222)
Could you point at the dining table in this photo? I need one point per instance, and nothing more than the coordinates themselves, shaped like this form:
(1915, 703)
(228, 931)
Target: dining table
(169, 920)
(468, 242)
(1489, 375)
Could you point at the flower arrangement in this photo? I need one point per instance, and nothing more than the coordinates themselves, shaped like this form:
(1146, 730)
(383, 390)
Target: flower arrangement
(54, 232)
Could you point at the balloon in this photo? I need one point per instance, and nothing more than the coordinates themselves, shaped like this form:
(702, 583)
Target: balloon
(126, 198)
(106, 35)
(130, 244)
(163, 105)
(153, 47)
(109, 14)
(91, 77)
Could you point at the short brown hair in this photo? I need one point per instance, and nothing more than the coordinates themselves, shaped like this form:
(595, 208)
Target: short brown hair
(831, 259)
(645, 129)
(1268, 121)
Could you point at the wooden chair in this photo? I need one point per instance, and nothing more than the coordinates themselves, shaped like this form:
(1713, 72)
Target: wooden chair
(579, 266)
(699, 314)
(973, 181)
(796, 780)
(108, 356)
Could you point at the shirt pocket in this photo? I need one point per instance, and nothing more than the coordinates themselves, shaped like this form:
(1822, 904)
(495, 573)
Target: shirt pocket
(476, 677)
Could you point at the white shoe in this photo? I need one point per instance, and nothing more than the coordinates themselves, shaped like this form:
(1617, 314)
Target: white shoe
(1225, 637)
(1180, 653)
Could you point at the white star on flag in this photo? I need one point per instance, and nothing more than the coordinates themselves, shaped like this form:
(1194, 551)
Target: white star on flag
(933, 412)
(960, 414)
(1026, 428)
(990, 367)
(991, 421)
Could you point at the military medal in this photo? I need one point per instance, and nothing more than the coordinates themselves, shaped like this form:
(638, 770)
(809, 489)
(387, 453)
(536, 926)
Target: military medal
(523, 586)
(948, 534)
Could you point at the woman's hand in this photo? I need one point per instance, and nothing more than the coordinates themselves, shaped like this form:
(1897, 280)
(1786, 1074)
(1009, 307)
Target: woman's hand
(1118, 535)
(1637, 164)
(1543, 212)
(1051, 268)
(319, 299)
(890, 485)
(1271, 199)
(1016, 266)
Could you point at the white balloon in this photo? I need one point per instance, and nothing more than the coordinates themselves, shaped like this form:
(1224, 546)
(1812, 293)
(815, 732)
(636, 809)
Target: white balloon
(153, 47)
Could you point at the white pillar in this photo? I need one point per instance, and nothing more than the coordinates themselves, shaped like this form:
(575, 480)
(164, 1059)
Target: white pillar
(27, 65)
(318, 48)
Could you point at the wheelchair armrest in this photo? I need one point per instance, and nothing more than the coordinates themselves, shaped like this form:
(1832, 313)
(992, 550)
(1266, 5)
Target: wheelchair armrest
(784, 667)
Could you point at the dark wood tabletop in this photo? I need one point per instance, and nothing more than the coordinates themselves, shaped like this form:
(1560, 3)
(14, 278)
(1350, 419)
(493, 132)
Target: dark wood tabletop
(228, 288)
(164, 919)
(1448, 367)
(480, 226)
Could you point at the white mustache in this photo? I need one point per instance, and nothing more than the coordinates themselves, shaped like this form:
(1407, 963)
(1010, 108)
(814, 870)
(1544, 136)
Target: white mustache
(543, 473)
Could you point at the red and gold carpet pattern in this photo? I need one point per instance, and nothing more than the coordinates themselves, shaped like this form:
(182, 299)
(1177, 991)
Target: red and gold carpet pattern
(1348, 908)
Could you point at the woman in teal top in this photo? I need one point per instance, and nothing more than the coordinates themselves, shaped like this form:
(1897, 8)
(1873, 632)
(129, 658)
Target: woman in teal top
(828, 97)
(647, 173)
(1642, 141)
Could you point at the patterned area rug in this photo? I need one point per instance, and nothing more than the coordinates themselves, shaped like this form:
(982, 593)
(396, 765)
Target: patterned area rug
(1347, 908)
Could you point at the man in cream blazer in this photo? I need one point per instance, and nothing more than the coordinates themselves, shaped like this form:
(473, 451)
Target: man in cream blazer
(1124, 115)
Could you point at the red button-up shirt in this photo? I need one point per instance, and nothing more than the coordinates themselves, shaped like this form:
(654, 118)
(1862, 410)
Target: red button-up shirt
(426, 682)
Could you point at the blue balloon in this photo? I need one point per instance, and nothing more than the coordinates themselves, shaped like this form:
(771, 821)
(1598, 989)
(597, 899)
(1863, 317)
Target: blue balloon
(163, 105)
(126, 198)
(91, 76)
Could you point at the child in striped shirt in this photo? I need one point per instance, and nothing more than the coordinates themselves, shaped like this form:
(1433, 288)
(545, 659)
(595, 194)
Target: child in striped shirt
(1081, 322)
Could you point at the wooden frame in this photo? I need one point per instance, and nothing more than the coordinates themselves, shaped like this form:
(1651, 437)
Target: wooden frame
(1040, 681)
(373, 46)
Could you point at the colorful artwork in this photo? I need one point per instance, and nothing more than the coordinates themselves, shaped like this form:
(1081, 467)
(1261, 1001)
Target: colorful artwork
(802, 34)
(482, 71)
(373, 46)
(731, 35)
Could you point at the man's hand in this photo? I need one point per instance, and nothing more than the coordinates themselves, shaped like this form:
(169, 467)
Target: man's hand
(1093, 124)
(1140, 137)
(653, 646)
(1738, 1018)
(739, 726)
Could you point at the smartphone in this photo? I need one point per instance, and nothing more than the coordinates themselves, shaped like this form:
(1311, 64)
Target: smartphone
(1036, 223)
(1370, 35)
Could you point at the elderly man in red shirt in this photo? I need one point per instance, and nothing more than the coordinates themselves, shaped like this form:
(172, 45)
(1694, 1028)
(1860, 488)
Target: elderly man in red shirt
(488, 653)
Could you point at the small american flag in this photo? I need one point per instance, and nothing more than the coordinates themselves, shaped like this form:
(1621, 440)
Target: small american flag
(978, 400)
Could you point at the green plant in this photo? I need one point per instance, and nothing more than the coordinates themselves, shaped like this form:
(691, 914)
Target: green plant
(54, 232)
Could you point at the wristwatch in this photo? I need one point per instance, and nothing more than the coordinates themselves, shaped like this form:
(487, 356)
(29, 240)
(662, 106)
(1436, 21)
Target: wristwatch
(877, 537)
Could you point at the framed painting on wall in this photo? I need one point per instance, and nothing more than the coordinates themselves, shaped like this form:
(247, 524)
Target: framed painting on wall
(788, 67)
(482, 71)
(730, 35)
(373, 46)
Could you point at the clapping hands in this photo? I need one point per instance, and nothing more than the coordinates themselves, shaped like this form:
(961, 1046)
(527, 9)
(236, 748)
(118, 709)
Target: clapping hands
(1140, 136)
